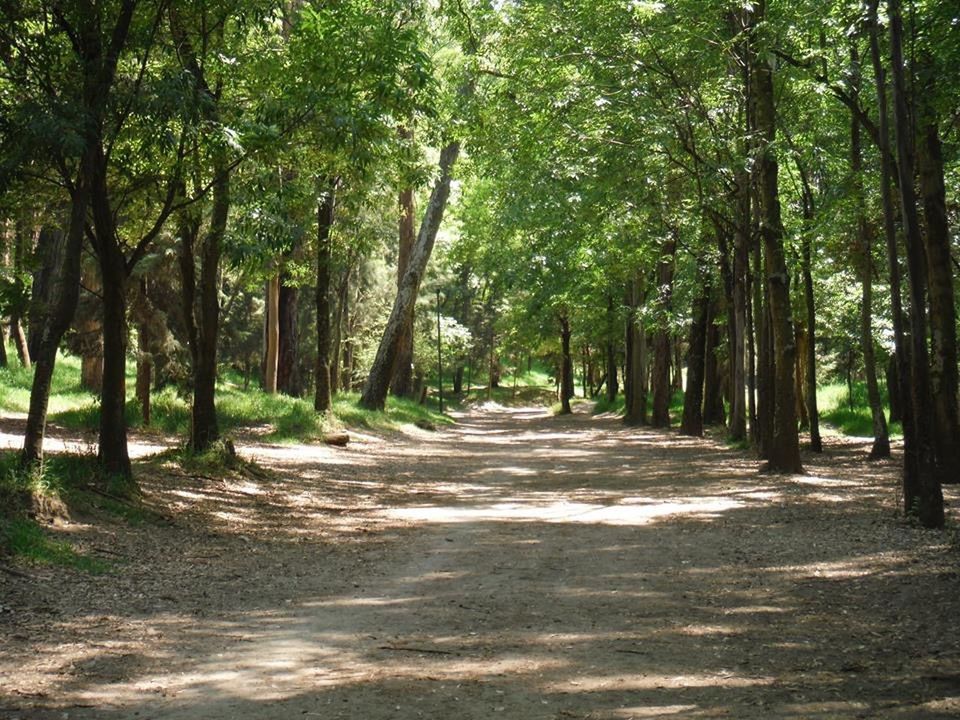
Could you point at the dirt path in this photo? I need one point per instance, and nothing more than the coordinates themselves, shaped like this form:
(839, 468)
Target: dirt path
(517, 566)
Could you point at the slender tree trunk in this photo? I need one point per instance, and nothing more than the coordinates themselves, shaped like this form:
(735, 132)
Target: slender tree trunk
(402, 384)
(272, 348)
(899, 367)
(809, 303)
(738, 408)
(714, 412)
(943, 317)
(783, 455)
(374, 394)
(64, 293)
(611, 354)
(863, 254)
(635, 372)
(692, 422)
(49, 242)
(288, 350)
(922, 493)
(566, 370)
(325, 217)
(144, 357)
(20, 253)
(661, 339)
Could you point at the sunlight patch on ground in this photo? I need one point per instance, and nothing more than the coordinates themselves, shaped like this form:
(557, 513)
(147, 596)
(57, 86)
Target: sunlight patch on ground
(654, 711)
(655, 681)
(639, 511)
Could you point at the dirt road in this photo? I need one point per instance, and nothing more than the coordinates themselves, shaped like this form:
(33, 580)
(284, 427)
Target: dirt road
(516, 566)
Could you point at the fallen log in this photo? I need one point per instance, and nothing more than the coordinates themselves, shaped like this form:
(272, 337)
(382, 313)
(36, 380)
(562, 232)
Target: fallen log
(339, 439)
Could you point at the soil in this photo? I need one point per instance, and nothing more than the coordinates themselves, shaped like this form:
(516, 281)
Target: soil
(514, 566)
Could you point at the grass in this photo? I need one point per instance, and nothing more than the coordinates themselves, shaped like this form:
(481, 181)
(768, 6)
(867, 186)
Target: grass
(65, 391)
(851, 416)
(398, 412)
(26, 539)
(61, 477)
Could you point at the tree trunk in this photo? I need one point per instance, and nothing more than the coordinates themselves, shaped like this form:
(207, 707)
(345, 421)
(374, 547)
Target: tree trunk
(692, 422)
(661, 339)
(272, 347)
(809, 302)
(893, 389)
(863, 256)
(943, 317)
(325, 215)
(566, 370)
(611, 354)
(714, 412)
(336, 349)
(374, 394)
(49, 243)
(635, 372)
(288, 350)
(113, 454)
(783, 455)
(63, 288)
(402, 384)
(738, 409)
(144, 358)
(922, 493)
(899, 367)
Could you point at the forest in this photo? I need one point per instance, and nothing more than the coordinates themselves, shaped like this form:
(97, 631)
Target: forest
(232, 231)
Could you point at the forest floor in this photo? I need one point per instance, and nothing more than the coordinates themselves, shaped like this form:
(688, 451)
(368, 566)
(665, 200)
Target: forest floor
(516, 566)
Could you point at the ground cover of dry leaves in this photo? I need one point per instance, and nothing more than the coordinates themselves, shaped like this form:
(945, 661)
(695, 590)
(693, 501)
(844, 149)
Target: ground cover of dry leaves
(514, 566)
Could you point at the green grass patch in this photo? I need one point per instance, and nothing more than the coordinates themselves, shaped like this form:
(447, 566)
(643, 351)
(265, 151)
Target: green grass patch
(602, 405)
(398, 412)
(65, 390)
(26, 539)
(850, 413)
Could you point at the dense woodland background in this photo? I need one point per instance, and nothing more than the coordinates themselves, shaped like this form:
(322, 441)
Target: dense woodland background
(738, 200)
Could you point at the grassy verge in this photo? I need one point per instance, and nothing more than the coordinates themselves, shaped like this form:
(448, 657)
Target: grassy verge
(398, 412)
(850, 414)
(70, 479)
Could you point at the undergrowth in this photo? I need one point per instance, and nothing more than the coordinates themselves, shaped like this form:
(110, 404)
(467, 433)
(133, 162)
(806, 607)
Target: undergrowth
(850, 413)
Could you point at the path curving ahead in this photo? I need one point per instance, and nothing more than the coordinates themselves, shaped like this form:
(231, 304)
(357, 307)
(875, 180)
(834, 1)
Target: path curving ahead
(516, 566)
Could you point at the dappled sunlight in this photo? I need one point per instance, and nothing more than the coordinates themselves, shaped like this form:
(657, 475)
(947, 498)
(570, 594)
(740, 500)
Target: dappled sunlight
(516, 565)
(636, 511)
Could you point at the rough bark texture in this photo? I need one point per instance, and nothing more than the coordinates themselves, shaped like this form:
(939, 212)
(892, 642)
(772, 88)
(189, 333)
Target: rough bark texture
(943, 316)
(922, 494)
(272, 335)
(714, 412)
(144, 359)
(738, 379)
(660, 379)
(635, 372)
(288, 316)
(375, 390)
(63, 292)
(863, 256)
(402, 384)
(692, 422)
(899, 366)
(809, 359)
(613, 386)
(566, 369)
(50, 243)
(783, 455)
(325, 214)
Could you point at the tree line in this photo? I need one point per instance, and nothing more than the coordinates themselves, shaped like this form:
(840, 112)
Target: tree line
(733, 198)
